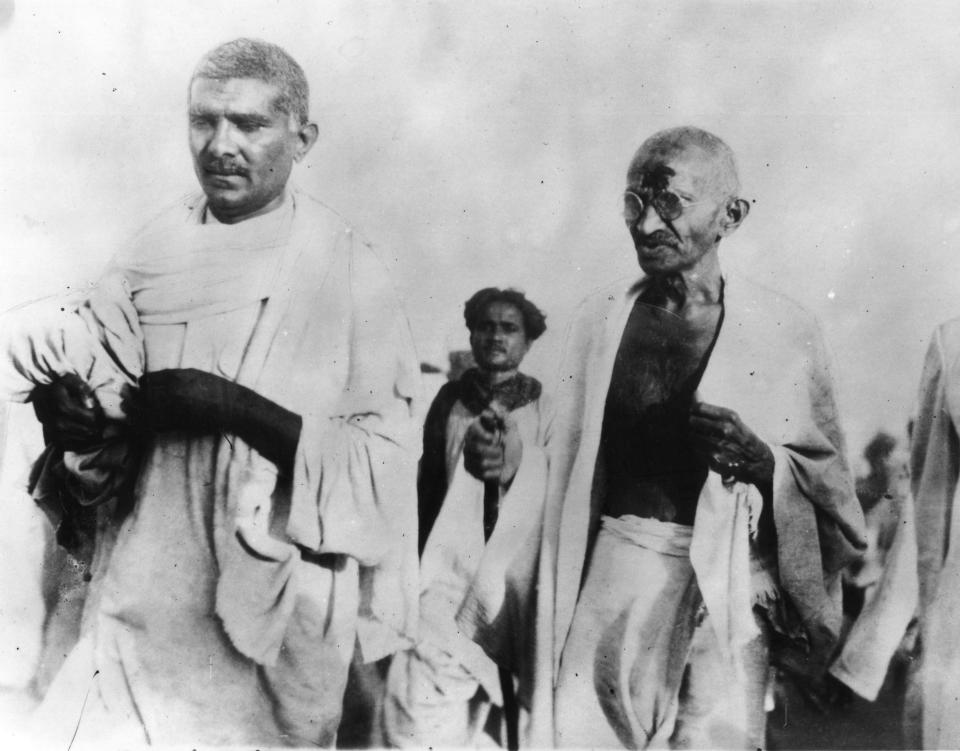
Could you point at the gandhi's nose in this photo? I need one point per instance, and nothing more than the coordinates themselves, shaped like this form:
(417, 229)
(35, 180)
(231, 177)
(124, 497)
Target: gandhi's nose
(650, 220)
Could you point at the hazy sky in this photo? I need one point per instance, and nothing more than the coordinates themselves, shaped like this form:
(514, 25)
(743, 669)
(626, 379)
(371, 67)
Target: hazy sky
(485, 143)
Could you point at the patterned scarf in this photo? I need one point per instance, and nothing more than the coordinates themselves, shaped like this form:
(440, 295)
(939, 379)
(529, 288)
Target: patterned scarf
(477, 394)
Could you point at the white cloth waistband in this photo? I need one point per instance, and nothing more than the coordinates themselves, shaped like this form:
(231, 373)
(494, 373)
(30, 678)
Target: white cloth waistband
(659, 536)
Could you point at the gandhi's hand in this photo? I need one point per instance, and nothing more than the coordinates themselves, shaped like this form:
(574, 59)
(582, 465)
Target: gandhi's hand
(493, 449)
(70, 412)
(730, 447)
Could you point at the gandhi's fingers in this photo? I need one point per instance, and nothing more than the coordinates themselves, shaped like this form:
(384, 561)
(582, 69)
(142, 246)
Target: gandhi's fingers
(718, 454)
(713, 412)
(711, 428)
(707, 444)
(731, 438)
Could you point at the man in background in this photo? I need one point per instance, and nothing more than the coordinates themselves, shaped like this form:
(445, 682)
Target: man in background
(480, 522)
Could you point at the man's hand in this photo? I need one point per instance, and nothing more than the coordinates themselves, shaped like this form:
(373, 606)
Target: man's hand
(729, 446)
(70, 413)
(493, 448)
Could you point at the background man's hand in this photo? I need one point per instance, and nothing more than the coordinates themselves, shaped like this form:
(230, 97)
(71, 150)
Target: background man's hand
(729, 446)
(493, 448)
(70, 413)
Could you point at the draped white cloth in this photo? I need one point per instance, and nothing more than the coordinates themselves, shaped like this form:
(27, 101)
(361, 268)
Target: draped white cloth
(225, 607)
(890, 602)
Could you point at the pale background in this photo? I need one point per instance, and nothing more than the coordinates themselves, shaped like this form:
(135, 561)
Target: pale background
(482, 143)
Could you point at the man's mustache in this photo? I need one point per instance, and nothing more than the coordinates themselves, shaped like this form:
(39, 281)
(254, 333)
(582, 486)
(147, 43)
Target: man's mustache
(224, 167)
(660, 237)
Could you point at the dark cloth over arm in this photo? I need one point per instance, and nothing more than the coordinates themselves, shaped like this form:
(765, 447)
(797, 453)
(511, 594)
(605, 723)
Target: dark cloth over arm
(193, 400)
(432, 476)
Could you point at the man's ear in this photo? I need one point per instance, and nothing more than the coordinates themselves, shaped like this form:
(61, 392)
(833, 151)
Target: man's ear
(307, 136)
(736, 211)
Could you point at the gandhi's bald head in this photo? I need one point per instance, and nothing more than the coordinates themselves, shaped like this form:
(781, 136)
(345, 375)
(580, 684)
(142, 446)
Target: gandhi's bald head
(682, 200)
(718, 165)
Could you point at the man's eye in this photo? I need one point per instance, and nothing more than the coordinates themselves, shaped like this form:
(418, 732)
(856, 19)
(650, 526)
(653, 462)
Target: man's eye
(246, 126)
(200, 122)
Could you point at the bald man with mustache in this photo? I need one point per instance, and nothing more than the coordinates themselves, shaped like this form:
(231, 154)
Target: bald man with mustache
(697, 477)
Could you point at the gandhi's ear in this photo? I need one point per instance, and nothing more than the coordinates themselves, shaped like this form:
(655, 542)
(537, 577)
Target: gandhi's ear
(736, 212)
(307, 135)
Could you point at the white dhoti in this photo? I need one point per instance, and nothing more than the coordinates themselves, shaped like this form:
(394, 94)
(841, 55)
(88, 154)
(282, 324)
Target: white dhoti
(715, 708)
(623, 661)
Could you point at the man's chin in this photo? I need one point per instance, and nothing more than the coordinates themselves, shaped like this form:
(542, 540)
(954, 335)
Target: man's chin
(497, 366)
(652, 265)
(225, 201)
(219, 194)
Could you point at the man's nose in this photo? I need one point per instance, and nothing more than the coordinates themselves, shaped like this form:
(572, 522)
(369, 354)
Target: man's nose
(222, 143)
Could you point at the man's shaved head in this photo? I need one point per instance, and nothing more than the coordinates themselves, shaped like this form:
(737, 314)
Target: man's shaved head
(687, 141)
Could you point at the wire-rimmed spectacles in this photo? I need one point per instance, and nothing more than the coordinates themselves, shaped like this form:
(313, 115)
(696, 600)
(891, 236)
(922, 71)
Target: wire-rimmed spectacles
(668, 205)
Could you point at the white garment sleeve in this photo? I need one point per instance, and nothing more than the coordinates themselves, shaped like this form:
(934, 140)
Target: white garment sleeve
(97, 338)
(934, 469)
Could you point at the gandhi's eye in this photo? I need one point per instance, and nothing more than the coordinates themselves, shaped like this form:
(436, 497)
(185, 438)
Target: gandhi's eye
(200, 121)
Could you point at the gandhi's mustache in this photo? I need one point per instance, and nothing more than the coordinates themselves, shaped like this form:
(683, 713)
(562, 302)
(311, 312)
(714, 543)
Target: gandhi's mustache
(224, 167)
(660, 237)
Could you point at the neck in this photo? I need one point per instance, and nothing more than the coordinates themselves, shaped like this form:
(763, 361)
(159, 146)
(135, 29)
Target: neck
(704, 281)
(496, 377)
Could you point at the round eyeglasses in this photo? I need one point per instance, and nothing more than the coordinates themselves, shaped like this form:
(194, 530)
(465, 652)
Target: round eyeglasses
(668, 206)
